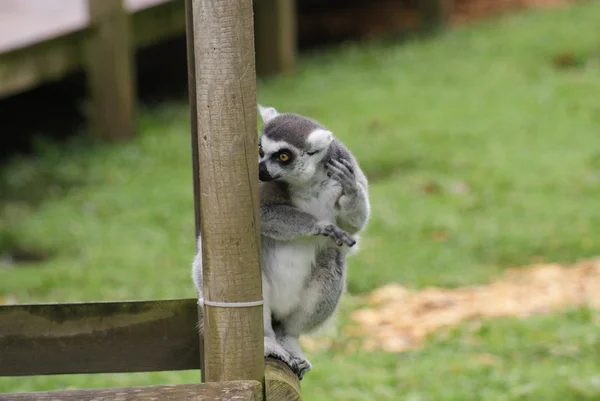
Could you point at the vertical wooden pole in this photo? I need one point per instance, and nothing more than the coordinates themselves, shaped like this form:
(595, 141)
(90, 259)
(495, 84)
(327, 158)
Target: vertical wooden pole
(191, 69)
(228, 172)
(110, 70)
(434, 13)
(276, 36)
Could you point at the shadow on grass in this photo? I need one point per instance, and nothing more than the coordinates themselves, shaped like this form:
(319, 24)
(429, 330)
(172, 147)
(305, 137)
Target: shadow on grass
(14, 252)
(42, 125)
(29, 180)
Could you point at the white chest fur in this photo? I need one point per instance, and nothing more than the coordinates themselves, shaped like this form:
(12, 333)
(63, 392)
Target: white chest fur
(290, 263)
(318, 200)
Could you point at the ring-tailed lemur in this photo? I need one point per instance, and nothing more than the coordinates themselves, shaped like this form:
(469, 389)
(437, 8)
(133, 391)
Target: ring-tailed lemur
(313, 201)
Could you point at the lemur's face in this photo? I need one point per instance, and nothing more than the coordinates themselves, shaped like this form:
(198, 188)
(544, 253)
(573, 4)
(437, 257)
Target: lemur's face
(291, 147)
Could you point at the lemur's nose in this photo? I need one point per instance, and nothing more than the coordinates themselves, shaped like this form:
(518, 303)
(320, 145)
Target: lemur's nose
(263, 173)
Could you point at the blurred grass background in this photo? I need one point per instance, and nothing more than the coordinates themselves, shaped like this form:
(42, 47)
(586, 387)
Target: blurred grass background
(482, 146)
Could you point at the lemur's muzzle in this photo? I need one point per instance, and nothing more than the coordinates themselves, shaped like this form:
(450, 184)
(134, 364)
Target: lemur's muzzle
(263, 173)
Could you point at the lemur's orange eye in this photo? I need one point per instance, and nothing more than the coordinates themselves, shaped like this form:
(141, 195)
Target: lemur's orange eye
(260, 151)
(284, 157)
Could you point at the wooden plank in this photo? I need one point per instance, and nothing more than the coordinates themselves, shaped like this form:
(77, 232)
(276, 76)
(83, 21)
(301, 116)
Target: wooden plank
(276, 36)
(109, 68)
(43, 62)
(234, 390)
(51, 59)
(228, 172)
(98, 337)
(281, 384)
(25, 23)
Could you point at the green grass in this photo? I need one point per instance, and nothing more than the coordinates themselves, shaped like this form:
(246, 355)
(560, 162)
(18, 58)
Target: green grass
(482, 108)
(550, 358)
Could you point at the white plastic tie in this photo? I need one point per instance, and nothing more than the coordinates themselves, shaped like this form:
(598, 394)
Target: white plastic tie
(230, 304)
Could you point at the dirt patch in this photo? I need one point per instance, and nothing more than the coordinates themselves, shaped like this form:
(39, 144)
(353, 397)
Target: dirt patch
(398, 319)
(470, 10)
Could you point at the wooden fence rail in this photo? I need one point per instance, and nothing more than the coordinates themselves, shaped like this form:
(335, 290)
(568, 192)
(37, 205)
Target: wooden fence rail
(227, 391)
(99, 337)
(117, 337)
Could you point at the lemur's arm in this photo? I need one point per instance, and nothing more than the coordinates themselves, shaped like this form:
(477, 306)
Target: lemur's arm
(284, 222)
(354, 203)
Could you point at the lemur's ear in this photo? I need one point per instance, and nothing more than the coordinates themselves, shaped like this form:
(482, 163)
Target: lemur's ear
(319, 139)
(267, 113)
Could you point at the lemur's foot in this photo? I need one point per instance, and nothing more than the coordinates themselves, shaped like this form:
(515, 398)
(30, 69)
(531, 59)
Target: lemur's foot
(300, 366)
(274, 350)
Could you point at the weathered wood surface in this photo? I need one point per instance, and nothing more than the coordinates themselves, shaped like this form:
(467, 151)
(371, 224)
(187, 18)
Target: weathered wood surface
(109, 71)
(228, 173)
(98, 337)
(226, 391)
(280, 382)
(276, 36)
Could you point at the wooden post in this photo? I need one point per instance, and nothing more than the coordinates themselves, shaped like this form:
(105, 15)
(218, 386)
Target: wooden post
(191, 69)
(110, 70)
(434, 13)
(227, 142)
(275, 30)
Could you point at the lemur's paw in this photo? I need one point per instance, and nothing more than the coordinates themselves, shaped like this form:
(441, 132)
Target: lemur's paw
(340, 236)
(343, 172)
(300, 366)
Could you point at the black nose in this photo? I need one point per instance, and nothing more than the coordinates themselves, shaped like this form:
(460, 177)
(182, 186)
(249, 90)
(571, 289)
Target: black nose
(263, 173)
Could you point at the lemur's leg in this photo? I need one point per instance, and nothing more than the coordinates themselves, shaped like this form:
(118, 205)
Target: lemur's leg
(285, 223)
(321, 299)
(273, 348)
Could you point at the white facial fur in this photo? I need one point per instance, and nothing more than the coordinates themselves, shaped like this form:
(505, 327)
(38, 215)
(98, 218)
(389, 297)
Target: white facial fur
(303, 168)
(270, 146)
(319, 139)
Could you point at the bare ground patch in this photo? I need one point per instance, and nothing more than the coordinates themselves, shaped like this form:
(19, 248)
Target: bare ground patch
(397, 319)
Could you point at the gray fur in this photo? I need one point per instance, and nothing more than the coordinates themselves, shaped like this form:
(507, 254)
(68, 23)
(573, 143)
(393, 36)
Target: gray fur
(291, 128)
(311, 213)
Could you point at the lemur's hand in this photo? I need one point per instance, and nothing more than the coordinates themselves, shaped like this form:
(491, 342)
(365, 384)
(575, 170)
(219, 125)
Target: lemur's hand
(342, 171)
(340, 236)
